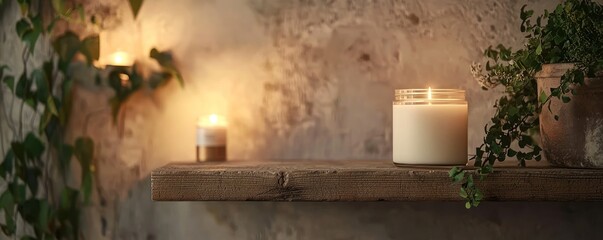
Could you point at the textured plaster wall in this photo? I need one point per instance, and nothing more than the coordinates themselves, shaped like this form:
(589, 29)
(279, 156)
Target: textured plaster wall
(297, 80)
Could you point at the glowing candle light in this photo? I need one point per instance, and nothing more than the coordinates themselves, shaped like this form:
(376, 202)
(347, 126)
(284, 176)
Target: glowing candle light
(211, 138)
(430, 127)
(120, 58)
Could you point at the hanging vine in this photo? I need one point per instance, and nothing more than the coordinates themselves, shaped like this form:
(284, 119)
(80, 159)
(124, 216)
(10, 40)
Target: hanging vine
(35, 203)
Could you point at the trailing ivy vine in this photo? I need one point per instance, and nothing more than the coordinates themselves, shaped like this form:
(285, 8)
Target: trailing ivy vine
(34, 203)
(571, 33)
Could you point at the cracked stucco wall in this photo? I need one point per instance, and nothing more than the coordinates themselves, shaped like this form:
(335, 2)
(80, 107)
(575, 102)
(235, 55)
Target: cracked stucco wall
(297, 80)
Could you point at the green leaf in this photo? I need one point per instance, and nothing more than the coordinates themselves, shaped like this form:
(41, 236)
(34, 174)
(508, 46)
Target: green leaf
(29, 209)
(67, 45)
(44, 120)
(42, 89)
(511, 153)
(568, 7)
(7, 164)
(470, 183)
(51, 105)
(18, 191)
(86, 186)
(44, 215)
(33, 146)
(454, 171)
(30, 37)
(478, 197)
(23, 88)
(496, 149)
(90, 47)
(543, 97)
(52, 23)
(22, 27)
(135, 5)
(10, 82)
(565, 99)
(18, 150)
(166, 61)
(31, 101)
(31, 179)
(467, 205)
(7, 201)
(539, 49)
(38, 25)
(67, 99)
(10, 227)
(7, 79)
(463, 193)
(24, 6)
(68, 198)
(513, 111)
(59, 6)
(522, 15)
(65, 156)
(459, 177)
(84, 152)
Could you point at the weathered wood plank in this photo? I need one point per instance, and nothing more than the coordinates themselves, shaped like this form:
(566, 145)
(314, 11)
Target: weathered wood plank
(361, 180)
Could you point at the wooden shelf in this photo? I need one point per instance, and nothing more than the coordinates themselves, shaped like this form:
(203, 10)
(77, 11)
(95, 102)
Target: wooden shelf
(362, 180)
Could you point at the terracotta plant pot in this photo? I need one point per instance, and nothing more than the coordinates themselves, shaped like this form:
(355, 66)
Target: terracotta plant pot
(576, 139)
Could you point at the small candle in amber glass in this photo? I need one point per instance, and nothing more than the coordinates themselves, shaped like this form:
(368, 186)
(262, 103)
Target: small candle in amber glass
(211, 138)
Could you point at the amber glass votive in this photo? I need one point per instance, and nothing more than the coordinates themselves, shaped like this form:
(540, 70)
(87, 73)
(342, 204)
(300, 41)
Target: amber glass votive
(211, 139)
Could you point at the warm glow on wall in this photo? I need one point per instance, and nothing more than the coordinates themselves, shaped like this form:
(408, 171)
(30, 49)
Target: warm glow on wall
(212, 120)
(119, 58)
(119, 47)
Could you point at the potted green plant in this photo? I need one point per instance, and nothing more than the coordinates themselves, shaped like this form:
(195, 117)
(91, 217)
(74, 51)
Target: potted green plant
(552, 93)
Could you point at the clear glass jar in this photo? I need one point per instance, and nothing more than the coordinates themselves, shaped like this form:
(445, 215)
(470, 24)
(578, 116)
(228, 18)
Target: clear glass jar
(429, 127)
(429, 96)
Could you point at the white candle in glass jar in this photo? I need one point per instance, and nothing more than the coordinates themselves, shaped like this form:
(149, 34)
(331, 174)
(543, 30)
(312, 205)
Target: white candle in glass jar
(430, 127)
(211, 138)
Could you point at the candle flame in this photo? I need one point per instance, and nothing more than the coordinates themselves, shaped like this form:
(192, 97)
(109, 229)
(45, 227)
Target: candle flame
(120, 58)
(213, 119)
(429, 93)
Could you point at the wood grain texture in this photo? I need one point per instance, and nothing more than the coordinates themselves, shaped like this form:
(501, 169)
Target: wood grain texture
(362, 180)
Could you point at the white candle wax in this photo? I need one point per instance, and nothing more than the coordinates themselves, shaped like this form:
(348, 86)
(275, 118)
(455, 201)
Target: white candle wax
(430, 131)
(211, 132)
(211, 136)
